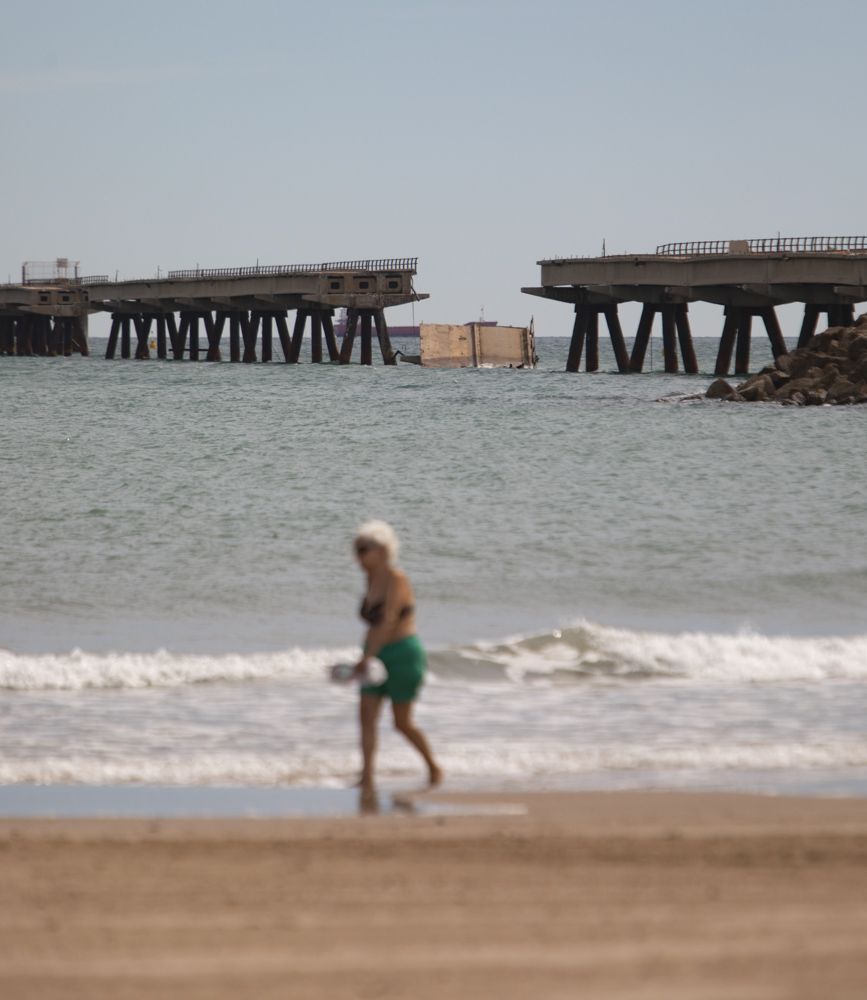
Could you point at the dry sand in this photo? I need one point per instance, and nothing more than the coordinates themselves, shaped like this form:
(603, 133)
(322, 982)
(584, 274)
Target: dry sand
(624, 895)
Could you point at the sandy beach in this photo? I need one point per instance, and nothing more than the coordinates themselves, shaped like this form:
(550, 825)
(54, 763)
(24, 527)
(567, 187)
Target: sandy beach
(626, 895)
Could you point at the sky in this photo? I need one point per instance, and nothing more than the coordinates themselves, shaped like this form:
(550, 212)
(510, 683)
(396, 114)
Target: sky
(480, 136)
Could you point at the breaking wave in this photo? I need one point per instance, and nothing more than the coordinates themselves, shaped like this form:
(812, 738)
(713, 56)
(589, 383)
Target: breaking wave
(581, 653)
(470, 763)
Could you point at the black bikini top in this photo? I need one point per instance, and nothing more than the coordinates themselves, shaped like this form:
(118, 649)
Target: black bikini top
(373, 613)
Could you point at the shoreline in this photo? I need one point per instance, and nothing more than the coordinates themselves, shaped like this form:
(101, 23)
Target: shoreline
(620, 895)
(30, 802)
(649, 810)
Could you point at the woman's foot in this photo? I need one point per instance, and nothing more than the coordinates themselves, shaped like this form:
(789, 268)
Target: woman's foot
(436, 776)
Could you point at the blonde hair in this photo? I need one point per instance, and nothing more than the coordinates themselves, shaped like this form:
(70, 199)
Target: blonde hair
(380, 533)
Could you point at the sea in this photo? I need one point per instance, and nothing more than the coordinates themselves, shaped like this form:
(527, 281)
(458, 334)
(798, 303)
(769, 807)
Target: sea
(620, 585)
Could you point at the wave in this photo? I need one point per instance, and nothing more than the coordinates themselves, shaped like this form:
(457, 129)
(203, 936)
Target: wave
(580, 653)
(79, 670)
(467, 764)
(594, 652)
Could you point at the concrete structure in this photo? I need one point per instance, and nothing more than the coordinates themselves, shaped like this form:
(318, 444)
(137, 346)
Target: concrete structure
(476, 345)
(180, 307)
(747, 277)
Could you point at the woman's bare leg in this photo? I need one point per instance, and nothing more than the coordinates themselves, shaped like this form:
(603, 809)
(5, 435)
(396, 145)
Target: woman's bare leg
(369, 709)
(403, 724)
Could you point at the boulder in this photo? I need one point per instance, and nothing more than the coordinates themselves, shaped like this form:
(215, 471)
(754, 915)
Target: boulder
(830, 374)
(786, 391)
(841, 391)
(719, 389)
(784, 363)
(805, 359)
(822, 341)
(758, 390)
(816, 397)
(857, 348)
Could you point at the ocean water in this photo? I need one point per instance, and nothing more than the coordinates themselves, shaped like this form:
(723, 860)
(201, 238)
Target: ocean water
(619, 587)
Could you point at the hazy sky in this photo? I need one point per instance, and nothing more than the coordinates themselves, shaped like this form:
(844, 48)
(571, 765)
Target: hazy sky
(480, 136)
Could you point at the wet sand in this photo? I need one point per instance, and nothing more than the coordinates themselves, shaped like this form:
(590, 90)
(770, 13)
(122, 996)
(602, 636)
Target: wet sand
(618, 895)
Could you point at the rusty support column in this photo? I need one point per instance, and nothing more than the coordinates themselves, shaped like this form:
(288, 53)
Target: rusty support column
(669, 340)
(22, 336)
(42, 336)
(25, 336)
(642, 337)
(67, 336)
(111, 347)
(250, 331)
(841, 314)
(579, 332)
(48, 336)
(283, 334)
(267, 337)
(727, 342)
(615, 332)
(142, 332)
(349, 336)
(194, 336)
(214, 326)
(5, 335)
(775, 334)
(125, 323)
(388, 355)
(684, 336)
(742, 352)
(316, 336)
(161, 337)
(330, 339)
(235, 336)
(79, 336)
(366, 338)
(809, 323)
(178, 334)
(297, 336)
(592, 346)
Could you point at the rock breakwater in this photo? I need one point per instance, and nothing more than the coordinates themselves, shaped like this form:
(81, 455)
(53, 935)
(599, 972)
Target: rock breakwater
(830, 369)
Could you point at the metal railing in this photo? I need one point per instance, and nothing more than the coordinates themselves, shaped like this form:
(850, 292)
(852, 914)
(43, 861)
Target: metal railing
(275, 270)
(775, 244)
(94, 279)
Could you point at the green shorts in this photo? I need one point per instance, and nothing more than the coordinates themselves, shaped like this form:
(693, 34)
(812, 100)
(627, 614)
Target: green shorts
(405, 663)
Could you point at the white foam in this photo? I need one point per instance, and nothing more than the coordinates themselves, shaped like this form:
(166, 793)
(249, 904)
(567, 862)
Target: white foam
(78, 670)
(601, 652)
(469, 762)
(584, 651)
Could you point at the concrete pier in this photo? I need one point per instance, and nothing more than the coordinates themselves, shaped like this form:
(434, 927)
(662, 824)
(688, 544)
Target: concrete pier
(749, 278)
(186, 313)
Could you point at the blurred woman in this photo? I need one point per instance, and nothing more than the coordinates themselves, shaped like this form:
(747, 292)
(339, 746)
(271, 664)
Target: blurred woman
(388, 608)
